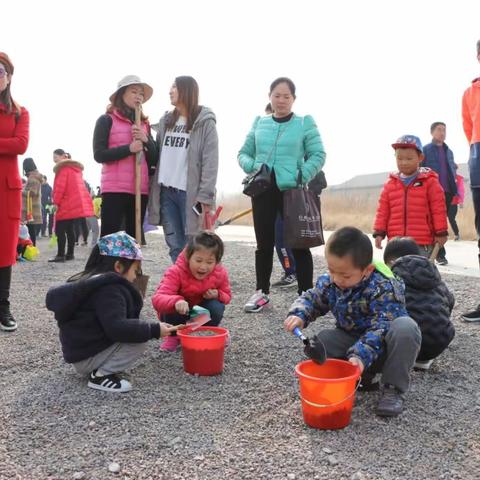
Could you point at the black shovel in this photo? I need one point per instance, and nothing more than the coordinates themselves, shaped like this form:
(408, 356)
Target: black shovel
(314, 349)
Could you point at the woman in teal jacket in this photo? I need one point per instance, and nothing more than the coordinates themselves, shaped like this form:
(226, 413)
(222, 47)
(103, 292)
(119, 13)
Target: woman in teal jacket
(289, 145)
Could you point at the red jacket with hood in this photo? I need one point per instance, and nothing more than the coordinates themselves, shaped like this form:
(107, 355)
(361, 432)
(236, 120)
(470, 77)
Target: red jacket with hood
(70, 194)
(417, 210)
(178, 283)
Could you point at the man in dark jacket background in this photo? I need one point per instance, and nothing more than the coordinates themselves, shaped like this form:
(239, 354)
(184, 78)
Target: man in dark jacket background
(439, 158)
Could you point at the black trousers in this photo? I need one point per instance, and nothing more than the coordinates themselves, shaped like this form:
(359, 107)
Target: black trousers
(32, 231)
(65, 231)
(448, 203)
(476, 208)
(452, 218)
(5, 281)
(118, 212)
(266, 206)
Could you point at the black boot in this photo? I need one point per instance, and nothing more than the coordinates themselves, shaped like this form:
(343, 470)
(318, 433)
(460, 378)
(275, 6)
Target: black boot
(7, 322)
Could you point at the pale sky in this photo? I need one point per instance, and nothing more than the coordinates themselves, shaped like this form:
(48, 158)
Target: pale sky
(368, 71)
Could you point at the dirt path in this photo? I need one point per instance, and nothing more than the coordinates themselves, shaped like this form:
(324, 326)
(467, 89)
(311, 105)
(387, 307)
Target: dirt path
(244, 424)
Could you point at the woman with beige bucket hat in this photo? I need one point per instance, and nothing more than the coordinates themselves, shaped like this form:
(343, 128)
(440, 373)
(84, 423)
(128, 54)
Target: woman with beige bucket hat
(116, 141)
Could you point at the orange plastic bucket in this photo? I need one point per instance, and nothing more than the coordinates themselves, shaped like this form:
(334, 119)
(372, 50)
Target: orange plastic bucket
(327, 392)
(203, 355)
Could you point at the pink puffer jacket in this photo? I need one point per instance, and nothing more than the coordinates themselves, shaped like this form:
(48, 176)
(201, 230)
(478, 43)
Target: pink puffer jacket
(119, 176)
(178, 283)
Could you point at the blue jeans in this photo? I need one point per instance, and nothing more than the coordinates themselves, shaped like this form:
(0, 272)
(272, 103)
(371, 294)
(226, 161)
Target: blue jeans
(172, 212)
(215, 307)
(285, 254)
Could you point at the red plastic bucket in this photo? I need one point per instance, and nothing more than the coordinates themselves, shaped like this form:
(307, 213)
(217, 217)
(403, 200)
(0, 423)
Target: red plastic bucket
(327, 392)
(203, 355)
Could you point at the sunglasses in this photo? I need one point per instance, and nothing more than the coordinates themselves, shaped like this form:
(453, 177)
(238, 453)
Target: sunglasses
(3, 72)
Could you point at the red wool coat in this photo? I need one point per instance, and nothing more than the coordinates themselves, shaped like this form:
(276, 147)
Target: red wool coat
(70, 194)
(416, 211)
(13, 142)
(179, 284)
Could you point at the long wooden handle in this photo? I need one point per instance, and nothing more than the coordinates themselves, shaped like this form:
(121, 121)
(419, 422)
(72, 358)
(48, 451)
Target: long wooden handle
(138, 180)
(235, 217)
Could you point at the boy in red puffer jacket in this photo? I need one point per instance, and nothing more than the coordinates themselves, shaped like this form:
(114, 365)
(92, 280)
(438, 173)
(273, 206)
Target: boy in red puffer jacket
(197, 278)
(412, 202)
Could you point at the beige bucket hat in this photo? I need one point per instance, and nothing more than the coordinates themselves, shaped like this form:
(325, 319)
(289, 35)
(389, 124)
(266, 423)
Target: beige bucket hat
(133, 80)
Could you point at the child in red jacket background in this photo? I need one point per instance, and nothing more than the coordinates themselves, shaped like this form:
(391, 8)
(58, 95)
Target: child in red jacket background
(196, 278)
(72, 200)
(412, 202)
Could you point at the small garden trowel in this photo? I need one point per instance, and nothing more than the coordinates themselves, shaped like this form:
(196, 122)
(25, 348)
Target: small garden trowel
(198, 316)
(314, 349)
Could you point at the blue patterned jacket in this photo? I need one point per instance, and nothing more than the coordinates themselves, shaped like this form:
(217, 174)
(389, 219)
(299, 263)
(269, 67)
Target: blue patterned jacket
(365, 310)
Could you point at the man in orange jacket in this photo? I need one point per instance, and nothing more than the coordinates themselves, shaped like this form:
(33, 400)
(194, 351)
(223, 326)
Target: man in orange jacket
(471, 127)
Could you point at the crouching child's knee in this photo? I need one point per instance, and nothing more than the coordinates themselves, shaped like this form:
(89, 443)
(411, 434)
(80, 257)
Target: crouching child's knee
(405, 329)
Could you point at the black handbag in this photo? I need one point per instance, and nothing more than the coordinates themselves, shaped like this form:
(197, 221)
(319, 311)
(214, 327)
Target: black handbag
(258, 182)
(261, 180)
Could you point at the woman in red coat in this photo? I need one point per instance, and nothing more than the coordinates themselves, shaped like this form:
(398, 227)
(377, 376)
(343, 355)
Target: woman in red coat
(14, 124)
(72, 200)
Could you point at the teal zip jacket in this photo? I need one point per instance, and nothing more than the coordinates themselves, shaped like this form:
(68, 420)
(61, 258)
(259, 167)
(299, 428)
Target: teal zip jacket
(287, 148)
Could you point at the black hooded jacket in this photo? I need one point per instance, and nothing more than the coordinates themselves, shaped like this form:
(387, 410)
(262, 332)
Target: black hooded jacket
(94, 313)
(429, 303)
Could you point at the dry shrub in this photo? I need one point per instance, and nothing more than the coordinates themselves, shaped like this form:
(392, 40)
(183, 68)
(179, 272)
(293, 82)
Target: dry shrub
(357, 208)
(233, 204)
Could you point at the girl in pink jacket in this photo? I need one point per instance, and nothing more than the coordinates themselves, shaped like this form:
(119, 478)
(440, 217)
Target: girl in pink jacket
(196, 278)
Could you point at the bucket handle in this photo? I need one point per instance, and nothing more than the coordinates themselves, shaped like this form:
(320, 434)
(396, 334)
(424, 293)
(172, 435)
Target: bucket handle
(319, 405)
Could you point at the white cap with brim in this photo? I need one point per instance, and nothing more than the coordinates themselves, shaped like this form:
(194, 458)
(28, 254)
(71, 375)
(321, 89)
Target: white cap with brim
(133, 80)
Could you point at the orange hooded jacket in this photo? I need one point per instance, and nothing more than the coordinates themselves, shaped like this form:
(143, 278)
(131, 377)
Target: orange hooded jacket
(471, 112)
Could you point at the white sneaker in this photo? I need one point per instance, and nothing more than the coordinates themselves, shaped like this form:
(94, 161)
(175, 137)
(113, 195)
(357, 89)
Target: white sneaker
(423, 365)
(256, 302)
(109, 383)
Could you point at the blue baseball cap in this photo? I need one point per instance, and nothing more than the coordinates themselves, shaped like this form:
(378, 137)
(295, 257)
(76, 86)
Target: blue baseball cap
(408, 141)
(120, 245)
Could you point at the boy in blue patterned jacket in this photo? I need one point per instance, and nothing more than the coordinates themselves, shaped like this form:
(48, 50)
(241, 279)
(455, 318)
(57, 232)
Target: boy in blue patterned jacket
(373, 329)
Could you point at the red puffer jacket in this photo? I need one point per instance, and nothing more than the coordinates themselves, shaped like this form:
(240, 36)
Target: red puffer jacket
(179, 284)
(416, 211)
(70, 194)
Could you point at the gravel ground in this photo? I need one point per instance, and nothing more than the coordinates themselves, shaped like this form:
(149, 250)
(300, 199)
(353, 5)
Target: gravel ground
(245, 423)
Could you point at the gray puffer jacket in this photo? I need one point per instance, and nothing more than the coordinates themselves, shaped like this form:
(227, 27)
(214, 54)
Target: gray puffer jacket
(429, 303)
